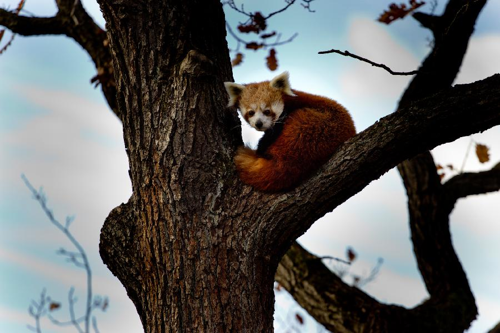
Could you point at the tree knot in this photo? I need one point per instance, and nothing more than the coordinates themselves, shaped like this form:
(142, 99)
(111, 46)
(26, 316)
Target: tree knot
(196, 64)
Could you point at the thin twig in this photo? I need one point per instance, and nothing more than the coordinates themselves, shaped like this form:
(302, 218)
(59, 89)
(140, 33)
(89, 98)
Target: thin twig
(42, 200)
(289, 3)
(64, 323)
(466, 155)
(372, 276)
(336, 259)
(72, 301)
(264, 45)
(37, 310)
(349, 54)
(94, 324)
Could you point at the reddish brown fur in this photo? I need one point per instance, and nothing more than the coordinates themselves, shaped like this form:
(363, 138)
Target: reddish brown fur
(315, 128)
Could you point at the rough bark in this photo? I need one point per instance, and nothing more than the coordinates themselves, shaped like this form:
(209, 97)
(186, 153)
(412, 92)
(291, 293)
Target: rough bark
(190, 257)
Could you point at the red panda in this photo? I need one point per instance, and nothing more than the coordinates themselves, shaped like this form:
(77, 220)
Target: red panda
(302, 131)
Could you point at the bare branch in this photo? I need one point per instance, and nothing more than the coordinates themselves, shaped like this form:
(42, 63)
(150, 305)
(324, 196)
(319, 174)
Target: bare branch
(74, 257)
(71, 301)
(306, 4)
(335, 259)
(73, 21)
(262, 45)
(38, 310)
(495, 329)
(94, 325)
(428, 21)
(64, 323)
(289, 3)
(31, 26)
(471, 183)
(349, 54)
(453, 113)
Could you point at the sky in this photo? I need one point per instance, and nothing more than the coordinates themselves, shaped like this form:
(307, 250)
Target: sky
(57, 130)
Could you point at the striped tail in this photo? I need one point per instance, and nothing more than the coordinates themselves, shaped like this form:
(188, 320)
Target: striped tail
(264, 174)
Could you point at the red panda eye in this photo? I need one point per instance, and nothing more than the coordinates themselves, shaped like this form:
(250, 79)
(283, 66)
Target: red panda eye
(251, 113)
(267, 112)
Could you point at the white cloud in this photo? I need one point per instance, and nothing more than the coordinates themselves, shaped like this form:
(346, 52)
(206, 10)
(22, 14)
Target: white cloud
(481, 60)
(75, 151)
(489, 314)
(74, 148)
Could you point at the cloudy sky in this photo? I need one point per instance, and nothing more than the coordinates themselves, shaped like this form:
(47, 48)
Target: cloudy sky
(58, 131)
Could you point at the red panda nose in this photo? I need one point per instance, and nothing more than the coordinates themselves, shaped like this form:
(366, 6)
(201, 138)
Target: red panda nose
(259, 124)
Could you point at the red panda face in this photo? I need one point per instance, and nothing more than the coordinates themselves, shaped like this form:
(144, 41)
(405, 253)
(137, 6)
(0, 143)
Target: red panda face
(261, 116)
(260, 104)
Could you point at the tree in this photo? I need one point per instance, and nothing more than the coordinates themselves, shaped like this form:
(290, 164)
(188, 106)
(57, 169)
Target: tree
(195, 248)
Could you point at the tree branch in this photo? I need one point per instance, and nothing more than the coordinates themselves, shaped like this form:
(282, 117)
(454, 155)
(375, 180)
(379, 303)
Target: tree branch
(441, 118)
(344, 309)
(438, 119)
(31, 26)
(427, 20)
(495, 329)
(73, 21)
(472, 183)
(349, 54)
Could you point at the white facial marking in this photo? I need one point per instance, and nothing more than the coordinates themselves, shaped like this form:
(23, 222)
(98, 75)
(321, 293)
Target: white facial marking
(277, 108)
(258, 119)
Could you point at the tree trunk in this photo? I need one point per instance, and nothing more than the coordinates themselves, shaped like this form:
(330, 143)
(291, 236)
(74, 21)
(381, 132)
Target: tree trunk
(188, 257)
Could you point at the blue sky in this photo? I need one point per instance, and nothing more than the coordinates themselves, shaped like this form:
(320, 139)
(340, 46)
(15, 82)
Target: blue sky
(56, 128)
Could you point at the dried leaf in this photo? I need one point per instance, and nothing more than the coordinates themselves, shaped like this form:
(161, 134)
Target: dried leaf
(254, 46)
(259, 21)
(54, 306)
(272, 62)
(449, 166)
(269, 35)
(351, 255)
(398, 11)
(482, 153)
(299, 318)
(439, 167)
(256, 25)
(278, 287)
(238, 59)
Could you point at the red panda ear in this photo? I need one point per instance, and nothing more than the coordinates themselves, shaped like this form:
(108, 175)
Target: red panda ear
(282, 82)
(234, 91)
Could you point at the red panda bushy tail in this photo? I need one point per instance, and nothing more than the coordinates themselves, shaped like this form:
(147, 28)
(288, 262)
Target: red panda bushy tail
(263, 174)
